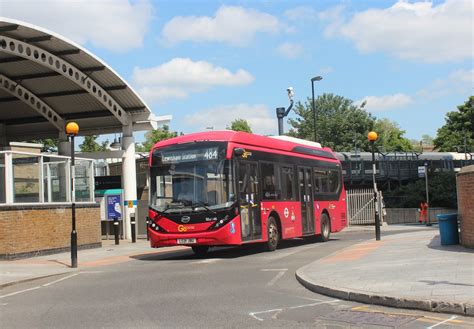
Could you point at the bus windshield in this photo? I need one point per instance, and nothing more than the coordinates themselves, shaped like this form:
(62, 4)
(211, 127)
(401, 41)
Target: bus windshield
(185, 179)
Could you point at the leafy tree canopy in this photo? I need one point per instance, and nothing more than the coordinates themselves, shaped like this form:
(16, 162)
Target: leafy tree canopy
(240, 125)
(154, 136)
(391, 136)
(90, 144)
(341, 125)
(49, 144)
(458, 129)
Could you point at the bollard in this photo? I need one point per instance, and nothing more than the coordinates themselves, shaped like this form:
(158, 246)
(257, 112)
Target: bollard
(134, 231)
(116, 231)
(147, 223)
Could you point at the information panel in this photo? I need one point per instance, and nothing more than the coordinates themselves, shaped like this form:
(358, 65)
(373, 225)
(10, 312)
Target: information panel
(114, 210)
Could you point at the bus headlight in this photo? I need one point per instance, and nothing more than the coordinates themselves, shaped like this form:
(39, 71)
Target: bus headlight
(221, 222)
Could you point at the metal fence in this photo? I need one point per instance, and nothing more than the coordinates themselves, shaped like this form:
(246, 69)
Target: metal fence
(361, 206)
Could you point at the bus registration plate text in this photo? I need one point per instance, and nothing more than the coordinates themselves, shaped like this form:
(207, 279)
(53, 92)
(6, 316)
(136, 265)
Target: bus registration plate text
(186, 241)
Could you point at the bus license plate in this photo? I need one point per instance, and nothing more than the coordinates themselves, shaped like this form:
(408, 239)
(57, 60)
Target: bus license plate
(186, 241)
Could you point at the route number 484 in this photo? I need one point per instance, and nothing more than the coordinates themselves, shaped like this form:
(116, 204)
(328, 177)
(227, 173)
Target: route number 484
(210, 154)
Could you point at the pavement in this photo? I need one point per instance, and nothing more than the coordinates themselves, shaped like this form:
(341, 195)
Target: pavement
(405, 269)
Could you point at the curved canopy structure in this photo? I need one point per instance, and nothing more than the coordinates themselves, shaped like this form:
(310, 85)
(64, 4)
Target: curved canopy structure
(47, 80)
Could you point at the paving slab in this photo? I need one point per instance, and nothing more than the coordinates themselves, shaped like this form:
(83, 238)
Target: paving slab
(406, 270)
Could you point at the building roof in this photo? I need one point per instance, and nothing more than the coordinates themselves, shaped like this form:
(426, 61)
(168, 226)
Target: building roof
(47, 80)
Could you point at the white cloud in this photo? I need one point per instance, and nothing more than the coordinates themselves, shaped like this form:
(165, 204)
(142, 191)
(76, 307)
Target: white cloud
(384, 103)
(290, 50)
(458, 82)
(258, 116)
(301, 14)
(418, 31)
(181, 76)
(117, 25)
(236, 26)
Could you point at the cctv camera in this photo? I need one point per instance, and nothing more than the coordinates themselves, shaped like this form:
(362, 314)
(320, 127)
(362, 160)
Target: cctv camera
(291, 93)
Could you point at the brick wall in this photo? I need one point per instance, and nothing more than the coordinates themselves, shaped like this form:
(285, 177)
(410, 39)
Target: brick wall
(32, 230)
(465, 187)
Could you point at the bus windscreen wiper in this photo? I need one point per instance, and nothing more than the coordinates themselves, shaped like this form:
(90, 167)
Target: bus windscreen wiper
(179, 205)
(203, 205)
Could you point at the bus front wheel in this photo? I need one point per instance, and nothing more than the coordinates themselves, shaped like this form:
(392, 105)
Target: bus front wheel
(200, 251)
(273, 236)
(325, 228)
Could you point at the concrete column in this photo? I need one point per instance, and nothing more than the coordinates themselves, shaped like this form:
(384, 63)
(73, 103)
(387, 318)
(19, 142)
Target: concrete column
(3, 137)
(129, 178)
(64, 148)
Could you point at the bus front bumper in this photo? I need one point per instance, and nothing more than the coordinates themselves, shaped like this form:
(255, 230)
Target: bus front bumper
(229, 234)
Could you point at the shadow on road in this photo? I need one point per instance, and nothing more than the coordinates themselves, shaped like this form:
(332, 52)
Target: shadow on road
(227, 252)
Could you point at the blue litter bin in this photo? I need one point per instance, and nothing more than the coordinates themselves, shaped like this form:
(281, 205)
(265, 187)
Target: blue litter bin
(448, 229)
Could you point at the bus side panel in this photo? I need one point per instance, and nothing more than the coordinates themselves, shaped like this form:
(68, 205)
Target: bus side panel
(290, 217)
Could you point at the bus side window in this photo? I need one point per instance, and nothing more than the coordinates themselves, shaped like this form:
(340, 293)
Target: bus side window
(287, 183)
(269, 178)
(334, 180)
(321, 180)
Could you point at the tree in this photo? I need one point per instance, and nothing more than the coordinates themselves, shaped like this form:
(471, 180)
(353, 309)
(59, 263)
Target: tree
(90, 144)
(391, 136)
(49, 144)
(340, 124)
(458, 129)
(240, 125)
(154, 136)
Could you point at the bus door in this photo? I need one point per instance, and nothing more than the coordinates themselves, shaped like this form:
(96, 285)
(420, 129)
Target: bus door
(306, 198)
(249, 200)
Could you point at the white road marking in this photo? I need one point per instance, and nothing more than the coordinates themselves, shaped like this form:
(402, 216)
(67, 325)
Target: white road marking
(59, 280)
(38, 287)
(280, 255)
(439, 323)
(19, 292)
(254, 314)
(207, 261)
(275, 279)
(274, 269)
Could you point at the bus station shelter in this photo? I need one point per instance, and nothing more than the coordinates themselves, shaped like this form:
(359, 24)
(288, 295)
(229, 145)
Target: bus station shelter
(45, 82)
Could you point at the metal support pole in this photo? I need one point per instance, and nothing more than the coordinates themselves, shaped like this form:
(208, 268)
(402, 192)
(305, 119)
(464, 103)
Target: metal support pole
(428, 222)
(134, 231)
(73, 210)
(280, 112)
(116, 231)
(314, 110)
(377, 222)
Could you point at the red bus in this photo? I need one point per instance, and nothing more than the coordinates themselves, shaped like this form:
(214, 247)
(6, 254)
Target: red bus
(224, 188)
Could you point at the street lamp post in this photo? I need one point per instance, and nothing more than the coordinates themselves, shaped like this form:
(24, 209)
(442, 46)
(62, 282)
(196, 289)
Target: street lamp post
(72, 129)
(428, 222)
(317, 78)
(372, 136)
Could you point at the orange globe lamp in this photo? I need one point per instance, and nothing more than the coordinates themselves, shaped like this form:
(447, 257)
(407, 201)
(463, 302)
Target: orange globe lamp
(72, 128)
(372, 136)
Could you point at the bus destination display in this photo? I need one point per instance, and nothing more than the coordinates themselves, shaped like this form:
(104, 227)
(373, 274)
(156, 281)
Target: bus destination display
(190, 155)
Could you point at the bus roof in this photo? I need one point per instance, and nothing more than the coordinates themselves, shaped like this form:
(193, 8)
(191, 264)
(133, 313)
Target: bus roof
(251, 140)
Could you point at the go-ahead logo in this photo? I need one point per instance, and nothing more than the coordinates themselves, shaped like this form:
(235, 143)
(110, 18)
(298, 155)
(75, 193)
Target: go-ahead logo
(182, 228)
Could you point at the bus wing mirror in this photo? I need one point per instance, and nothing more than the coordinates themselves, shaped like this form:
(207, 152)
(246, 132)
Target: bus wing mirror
(239, 151)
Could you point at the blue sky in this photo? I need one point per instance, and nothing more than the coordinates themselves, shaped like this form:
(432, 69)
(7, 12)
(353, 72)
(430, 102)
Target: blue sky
(209, 62)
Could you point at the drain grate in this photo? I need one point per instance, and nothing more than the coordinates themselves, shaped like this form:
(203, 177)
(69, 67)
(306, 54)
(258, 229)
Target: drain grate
(370, 318)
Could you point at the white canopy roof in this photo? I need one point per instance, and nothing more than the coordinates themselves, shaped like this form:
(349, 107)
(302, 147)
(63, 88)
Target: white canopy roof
(47, 80)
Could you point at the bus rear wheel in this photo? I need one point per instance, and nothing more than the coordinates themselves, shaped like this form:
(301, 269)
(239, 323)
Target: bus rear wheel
(325, 228)
(273, 236)
(200, 251)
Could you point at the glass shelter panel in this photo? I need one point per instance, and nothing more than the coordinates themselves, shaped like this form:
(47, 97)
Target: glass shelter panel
(55, 179)
(26, 178)
(83, 178)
